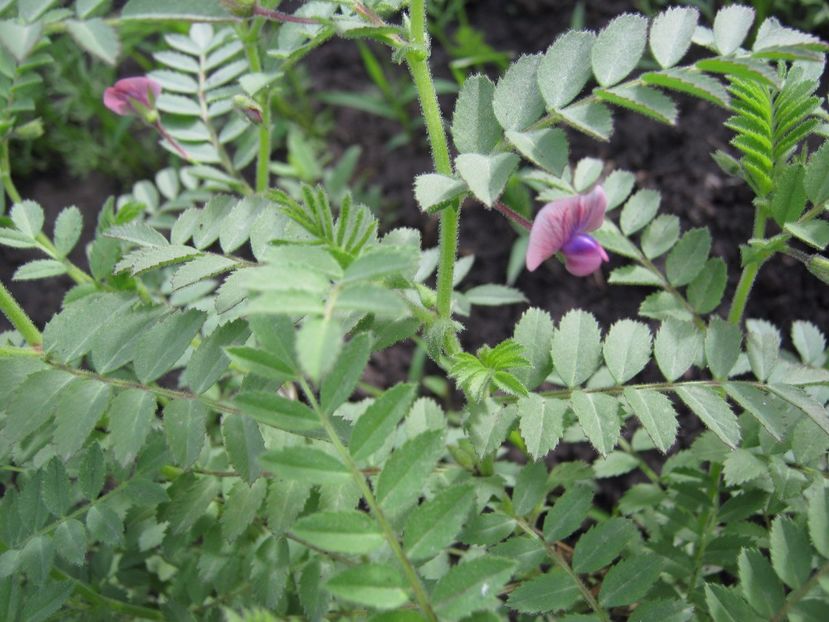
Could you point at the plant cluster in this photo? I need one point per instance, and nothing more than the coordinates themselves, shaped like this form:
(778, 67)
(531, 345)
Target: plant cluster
(191, 436)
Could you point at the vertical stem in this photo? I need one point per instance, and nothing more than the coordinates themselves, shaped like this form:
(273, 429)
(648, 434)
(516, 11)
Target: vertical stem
(263, 158)
(6, 174)
(708, 524)
(19, 318)
(450, 217)
(750, 271)
(420, 594)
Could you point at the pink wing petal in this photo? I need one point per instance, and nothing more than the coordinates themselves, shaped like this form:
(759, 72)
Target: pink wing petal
(553, 226)
(592, 209)
(139, 88)
(116, 101)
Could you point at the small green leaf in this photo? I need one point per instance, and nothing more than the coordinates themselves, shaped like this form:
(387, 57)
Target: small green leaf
(494, 295)
(568, 513)
(818, 514)
(70, 541)
(731, 26)
(815, 233)
(401, 480)
(82, 404)
(552, 591)
(630, 580)
(671, 34)
(789, 199)
(690, 82)
(660, 236)
(96, 37)
(435, 524)
(259, 362)
(530, 488)
(68, 228)
(706, 291)
(725, 604)
(184, 426)
(318, 344)
(722, 347)
(209, 362)
(565, 68)
(20, 39)
(350, 532)
(656, 413)
(761, 588)
(741, 466)
(687, 259)
(639, 211)
(471, 586)
(591, 118)
(714, 412)
(380, 420)
(241, 507)
(486, 176)
(762, 346)
(131, 415)
(244, 444)
(598, 415)
(602, 544)
(577, 347)
(816, 179)
(105, 525)
(541, 423)
(676, 347)
(534, 332)
(618, 48)
(27, 216)
(39, 269)
(185, 10)
(809, 342)
(627, 349)
(548, 148)
(517, 102)
(642, 99)
(474, 126)
(433, 190)
(373, 585)
(277, 412)
(791, 553)
(160, 348)
(306, 464)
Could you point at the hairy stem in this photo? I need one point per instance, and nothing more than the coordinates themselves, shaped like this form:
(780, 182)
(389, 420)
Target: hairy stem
(6, 173)
(420, 594)
(19, 318)
(749, 274)
(559, 560)
(450, 216)
(280, 16)
(708, 523)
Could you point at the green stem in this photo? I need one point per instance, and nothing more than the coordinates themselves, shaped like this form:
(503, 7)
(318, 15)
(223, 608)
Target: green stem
(263, 158)
(6, 173)
(19, 318)
(749, 274)
(420, 594)
(450, 216)
(557, 557)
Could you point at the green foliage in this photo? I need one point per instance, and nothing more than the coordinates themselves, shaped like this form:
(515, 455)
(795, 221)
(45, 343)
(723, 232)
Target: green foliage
(197, 434)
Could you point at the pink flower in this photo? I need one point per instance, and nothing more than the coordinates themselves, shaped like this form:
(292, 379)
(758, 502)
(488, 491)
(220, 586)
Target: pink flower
(123, 96)
(562, 226)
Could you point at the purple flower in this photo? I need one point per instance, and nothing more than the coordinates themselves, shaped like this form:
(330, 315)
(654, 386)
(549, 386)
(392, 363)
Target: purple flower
(123, 96)
(562, 226)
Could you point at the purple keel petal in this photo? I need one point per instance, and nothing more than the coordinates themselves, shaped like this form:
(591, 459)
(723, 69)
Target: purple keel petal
(553, 226)
(583, 255)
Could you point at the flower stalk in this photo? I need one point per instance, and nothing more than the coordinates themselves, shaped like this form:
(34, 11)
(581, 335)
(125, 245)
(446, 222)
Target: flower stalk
(19, 318)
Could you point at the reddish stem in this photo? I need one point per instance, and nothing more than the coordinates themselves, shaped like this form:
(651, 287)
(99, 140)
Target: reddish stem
(279, 16)
(513, 216)
(173, 142)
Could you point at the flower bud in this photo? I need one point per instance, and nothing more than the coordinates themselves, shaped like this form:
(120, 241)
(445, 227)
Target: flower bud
(249, 108)
(30, 131)
(240, 8)
(819, 266)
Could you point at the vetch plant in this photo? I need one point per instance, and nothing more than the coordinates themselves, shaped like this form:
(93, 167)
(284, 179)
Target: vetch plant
(196, 433)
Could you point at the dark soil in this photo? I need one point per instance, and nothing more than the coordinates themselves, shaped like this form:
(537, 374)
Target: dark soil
(673, 160)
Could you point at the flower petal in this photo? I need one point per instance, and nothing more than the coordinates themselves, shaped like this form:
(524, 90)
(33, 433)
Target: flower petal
(553, 226)
(120, 97)
(583, 255)
(592, 209)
